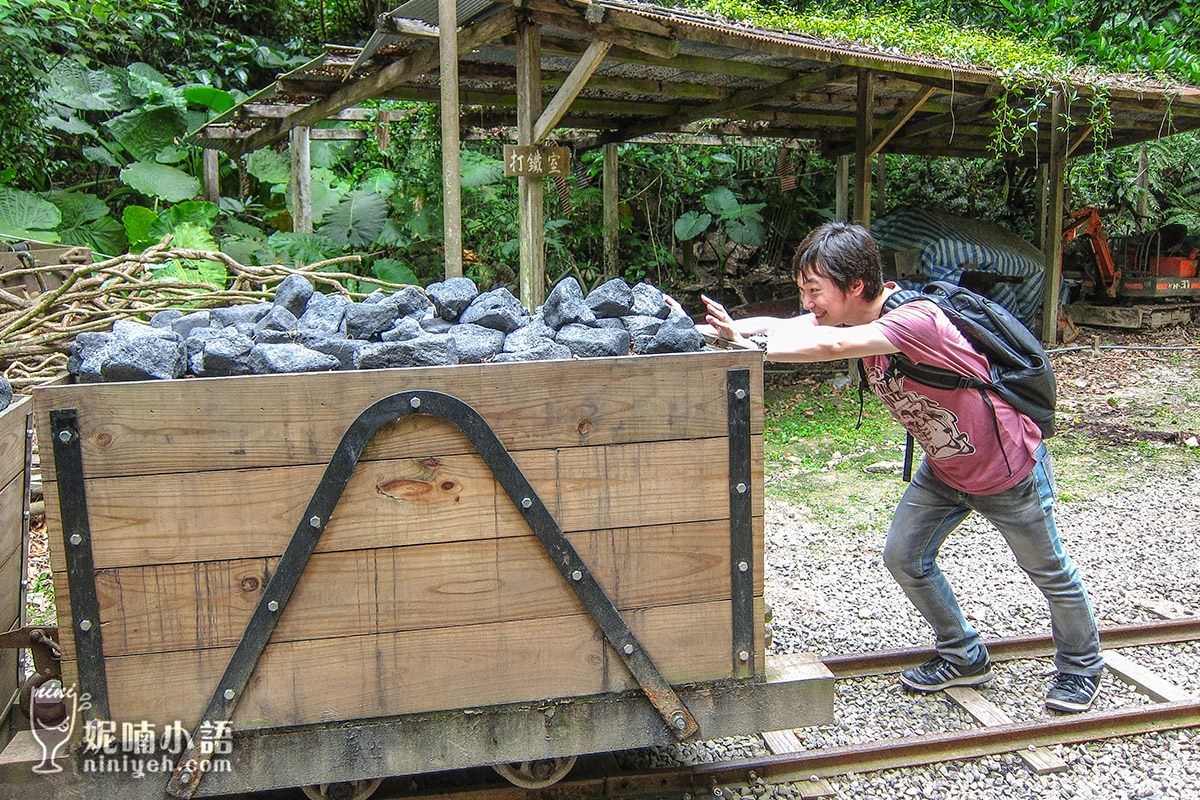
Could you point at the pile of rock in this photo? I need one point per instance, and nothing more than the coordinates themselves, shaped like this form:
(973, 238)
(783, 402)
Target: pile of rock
(450, 322)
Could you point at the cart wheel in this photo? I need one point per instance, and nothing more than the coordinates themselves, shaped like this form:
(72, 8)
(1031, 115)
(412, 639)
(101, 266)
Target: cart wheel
(345, 790)
(536, 774)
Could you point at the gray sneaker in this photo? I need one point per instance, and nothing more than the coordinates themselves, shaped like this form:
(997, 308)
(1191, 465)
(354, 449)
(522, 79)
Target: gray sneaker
(1073, 692)
(938, 673)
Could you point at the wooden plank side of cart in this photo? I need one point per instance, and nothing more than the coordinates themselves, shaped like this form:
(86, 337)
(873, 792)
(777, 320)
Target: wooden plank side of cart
(14, 488)
(427, 593)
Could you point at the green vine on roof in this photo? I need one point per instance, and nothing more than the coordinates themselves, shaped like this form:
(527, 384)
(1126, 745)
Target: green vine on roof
(1028, 69)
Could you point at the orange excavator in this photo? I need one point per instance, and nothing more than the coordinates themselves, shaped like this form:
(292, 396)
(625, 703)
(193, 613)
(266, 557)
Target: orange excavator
(1153, 265)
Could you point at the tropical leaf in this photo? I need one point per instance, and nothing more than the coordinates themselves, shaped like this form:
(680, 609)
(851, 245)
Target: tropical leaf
(99, 155)
(269, 167)
(691, 224)
(72, 125)
(171, 154)
(357, 220)
(479, 169)
(137, 221)
(190, 236)
(720, 201)
(76, 208)
(105, 236)
(145, 81)
(159, 180)
(73, 85)
(27, 216)
(748, 231)
(393, 271)
(199, 213)
(217, 100)
(307, 248)
(145, 131)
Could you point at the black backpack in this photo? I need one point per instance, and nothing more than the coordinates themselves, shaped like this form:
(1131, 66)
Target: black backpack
(1020, 371)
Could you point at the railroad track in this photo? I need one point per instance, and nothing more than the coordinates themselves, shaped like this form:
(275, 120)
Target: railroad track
(1173, 708)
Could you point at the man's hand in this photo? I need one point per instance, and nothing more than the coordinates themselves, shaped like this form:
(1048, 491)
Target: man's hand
(720, 320)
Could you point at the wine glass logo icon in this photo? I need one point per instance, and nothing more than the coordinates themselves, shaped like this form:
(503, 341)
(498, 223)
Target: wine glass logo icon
(53, 711)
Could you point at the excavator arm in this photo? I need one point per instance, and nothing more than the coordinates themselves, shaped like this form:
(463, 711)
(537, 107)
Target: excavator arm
(1086, 222)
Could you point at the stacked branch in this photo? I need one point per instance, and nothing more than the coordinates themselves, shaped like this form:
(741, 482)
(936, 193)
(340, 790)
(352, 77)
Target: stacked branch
(36, 331)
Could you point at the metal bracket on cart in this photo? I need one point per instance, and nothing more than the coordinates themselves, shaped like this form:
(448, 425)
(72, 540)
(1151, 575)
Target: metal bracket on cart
(189, 769)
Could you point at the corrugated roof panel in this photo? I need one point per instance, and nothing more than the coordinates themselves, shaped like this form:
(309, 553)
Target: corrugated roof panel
(427, 10)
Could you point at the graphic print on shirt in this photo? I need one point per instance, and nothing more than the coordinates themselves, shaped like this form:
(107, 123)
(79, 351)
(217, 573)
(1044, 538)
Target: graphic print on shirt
(934, 427)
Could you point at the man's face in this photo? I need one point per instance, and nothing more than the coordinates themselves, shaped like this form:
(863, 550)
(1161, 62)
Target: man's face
(824, 299)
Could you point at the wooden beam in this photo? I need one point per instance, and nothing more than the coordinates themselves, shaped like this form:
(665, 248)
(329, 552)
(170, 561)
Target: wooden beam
(298, 147)
(880, 186)
(899, 119)
(687, 63)
(1054, 221)
(841, 200)
(952, 117)
(350, 94)
(529, 189)
(570, 89)
(634, 40)
(1079, 139)
(451, 170)
(862, 140)
(212, 176)
(611, 221)
(738, 100)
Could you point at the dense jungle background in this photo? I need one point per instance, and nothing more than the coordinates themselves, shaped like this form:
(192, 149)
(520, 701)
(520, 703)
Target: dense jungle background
(96, 97)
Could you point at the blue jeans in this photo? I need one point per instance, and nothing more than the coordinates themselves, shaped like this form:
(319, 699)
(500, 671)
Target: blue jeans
(1024, 514)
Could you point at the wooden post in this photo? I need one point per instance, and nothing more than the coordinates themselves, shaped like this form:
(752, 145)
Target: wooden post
(212, 177)
(298, 145)
(863, 134)
(1054, 220)
(1041, 179)
(880, 186)
(611, 222)
(529, 189)
(841, 202)
(1143, 183)
(451, 175)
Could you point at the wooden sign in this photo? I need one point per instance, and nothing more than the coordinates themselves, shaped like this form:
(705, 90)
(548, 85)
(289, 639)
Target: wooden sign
(536, 162)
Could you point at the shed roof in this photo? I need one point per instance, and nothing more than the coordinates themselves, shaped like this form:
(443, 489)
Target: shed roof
(678, 70)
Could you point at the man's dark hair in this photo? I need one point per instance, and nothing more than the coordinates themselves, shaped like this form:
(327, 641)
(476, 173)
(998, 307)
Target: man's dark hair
(843, 253)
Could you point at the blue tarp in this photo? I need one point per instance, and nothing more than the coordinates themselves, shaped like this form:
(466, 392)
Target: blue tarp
(944, 242)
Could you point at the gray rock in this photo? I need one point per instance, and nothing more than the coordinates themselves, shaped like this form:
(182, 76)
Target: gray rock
(193, 346)
(275, 337)
(165, 318)
(141, 357)
(425, 351)
(410, 301)
(131, 329)
(367, 320)
(612, 298)
(87, 348)
(266, 359)
(451, 296)
(497, 309)
(548, 350)
(528, 336)
(641, 325)
(587, 342)
(277, 319)
(6, 393)
(190, 322)
(648, 301)
(236, 315)
(293, 293)
(611, 322)
(674, 336)
(406, 328)
(324, 313)
(566, 306)
(435, 324)
(226, 353)
(475, 343)
(374, 297)
(343, 349)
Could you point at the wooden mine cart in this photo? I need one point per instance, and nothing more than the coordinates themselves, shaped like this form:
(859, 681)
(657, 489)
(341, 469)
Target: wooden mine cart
(394, 572)
(16, 440)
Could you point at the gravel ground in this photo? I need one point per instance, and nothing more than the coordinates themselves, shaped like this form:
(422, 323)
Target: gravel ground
(1136, 549)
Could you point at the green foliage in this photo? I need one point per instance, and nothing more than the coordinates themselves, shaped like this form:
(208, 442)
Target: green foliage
(160, 181)
(25, 215)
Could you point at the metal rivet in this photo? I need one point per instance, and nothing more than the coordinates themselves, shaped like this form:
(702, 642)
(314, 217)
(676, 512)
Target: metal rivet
(415, 402)
(743, 566)
(526, 502)
(64, 436)
(628, 649)
(576, 575)
(85, 624)
(185, 777)
(75, 538)
(679, 720)
(25, 514)
(273, 606)
(740, 394)
(314, 521)
(741, 488)
(743, 656)
(228, 694)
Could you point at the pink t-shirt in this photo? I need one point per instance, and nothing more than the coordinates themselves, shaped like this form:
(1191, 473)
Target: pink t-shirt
(956, 428)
